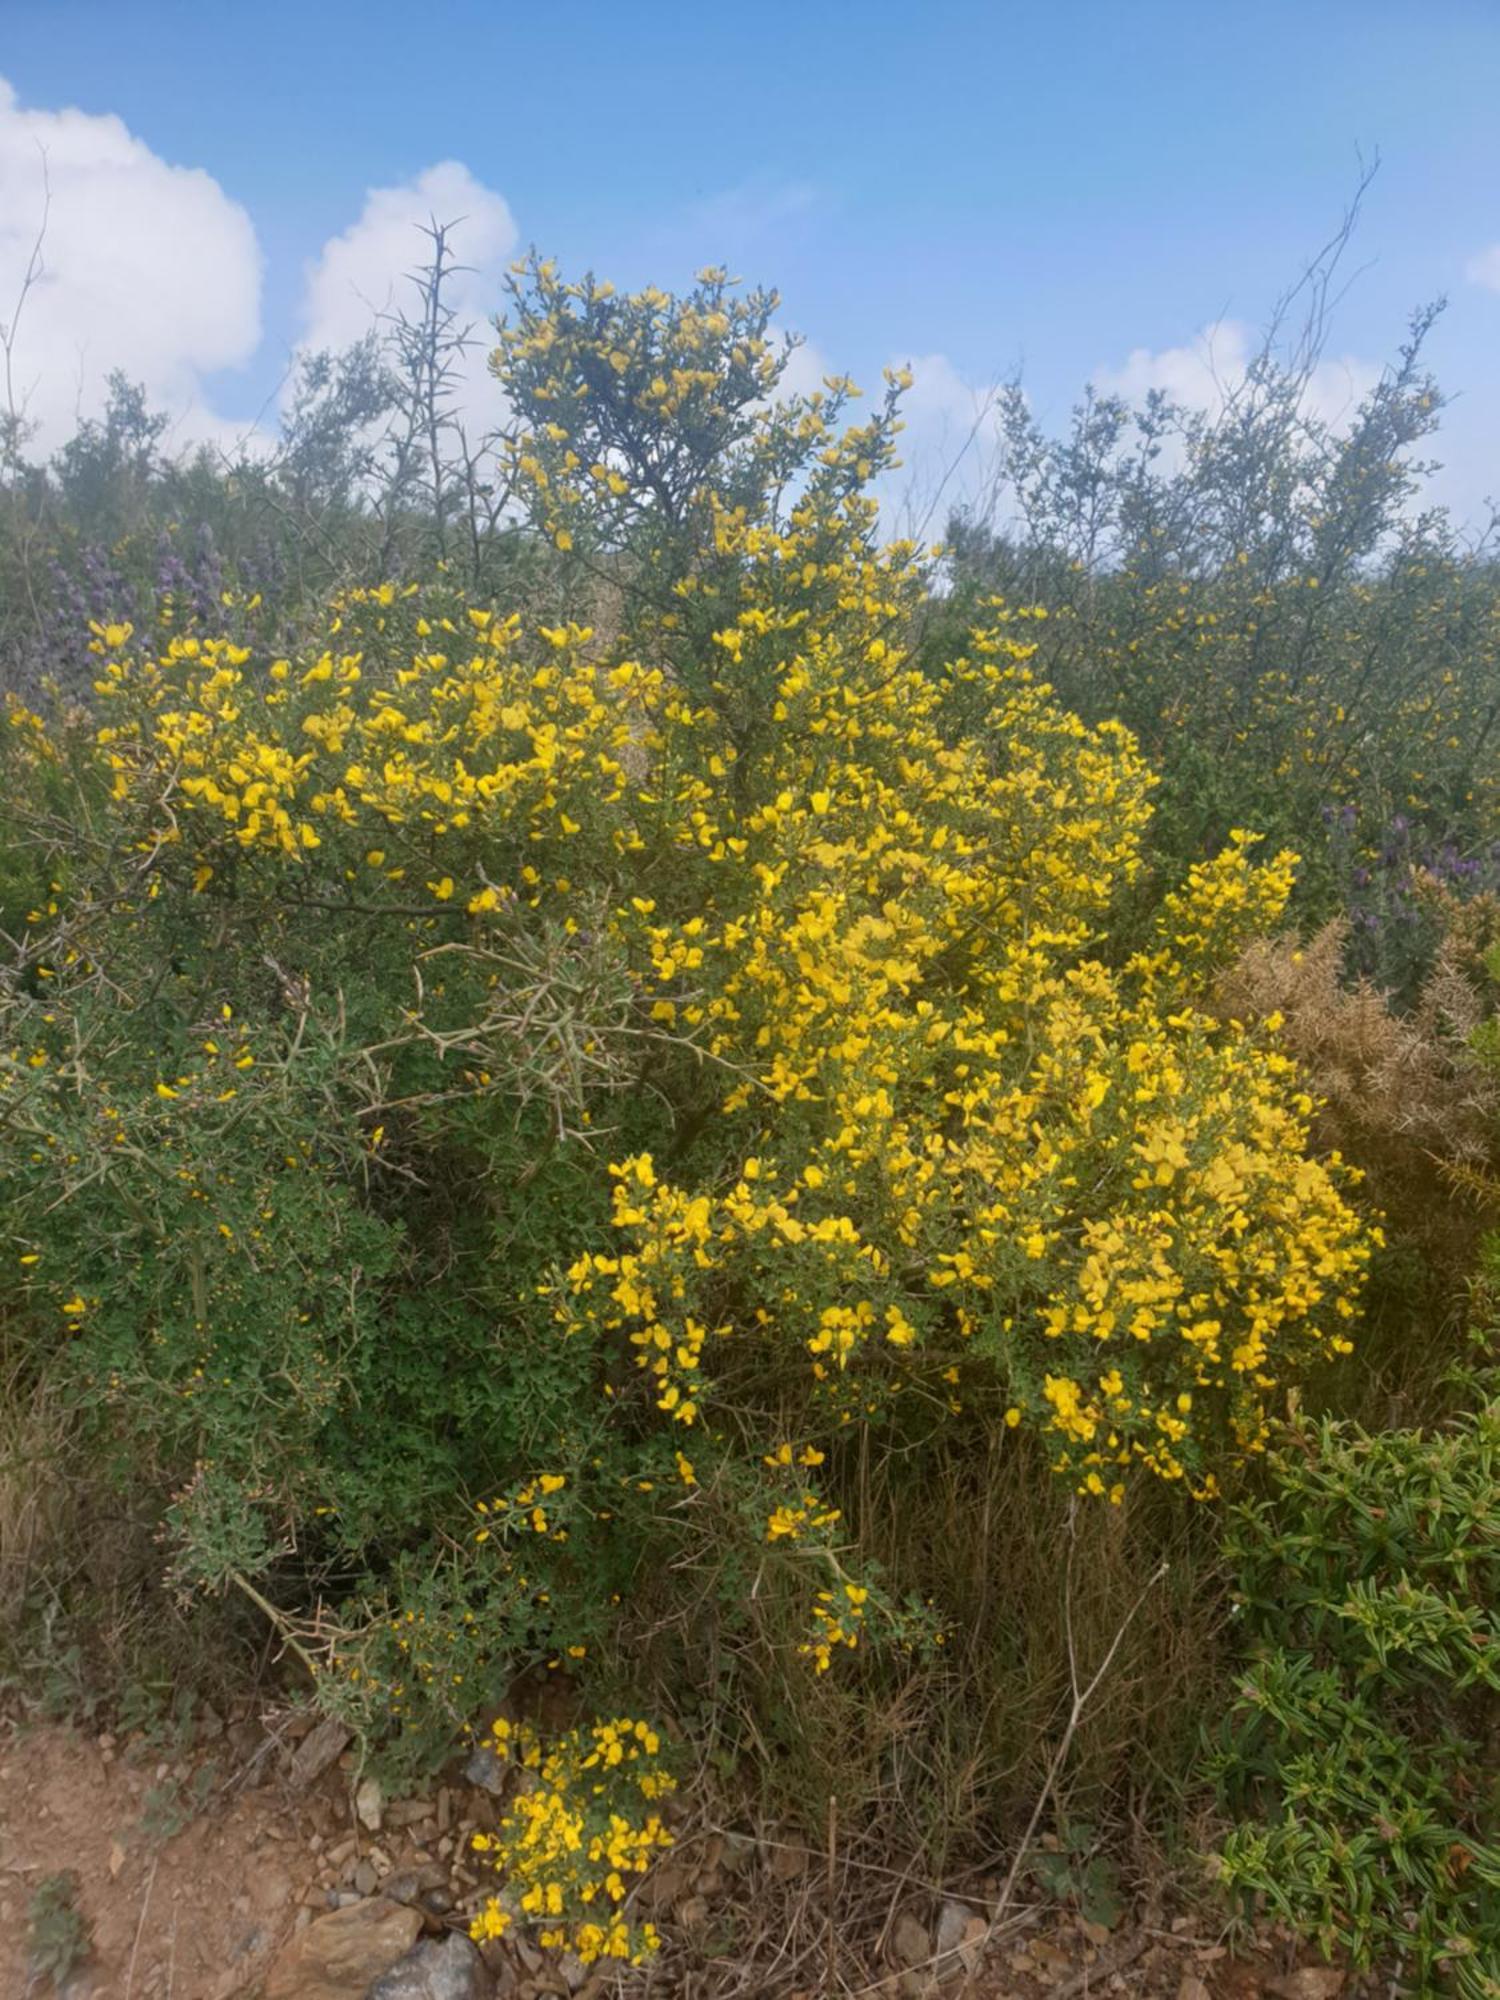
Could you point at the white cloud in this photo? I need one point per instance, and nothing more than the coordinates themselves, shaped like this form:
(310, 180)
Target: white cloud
(144, 266)
(1484, 268)
(947, 447)
(1204, 374)
(154, 270)
(366, 271)
(806, 368)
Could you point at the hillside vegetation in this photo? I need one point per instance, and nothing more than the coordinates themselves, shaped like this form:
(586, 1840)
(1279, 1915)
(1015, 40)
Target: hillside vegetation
(870, 1161)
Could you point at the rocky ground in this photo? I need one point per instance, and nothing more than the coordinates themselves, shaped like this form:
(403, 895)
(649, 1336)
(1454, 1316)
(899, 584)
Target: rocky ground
(246, 1861)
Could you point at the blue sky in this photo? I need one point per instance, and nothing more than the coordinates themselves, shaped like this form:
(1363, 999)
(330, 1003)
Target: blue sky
(1053, 188)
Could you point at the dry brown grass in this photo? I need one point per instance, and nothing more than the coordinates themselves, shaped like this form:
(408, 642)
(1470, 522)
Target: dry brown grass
(34, 1498)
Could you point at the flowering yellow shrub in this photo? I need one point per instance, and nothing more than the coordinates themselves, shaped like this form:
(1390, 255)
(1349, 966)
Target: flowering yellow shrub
(582, 1822)
(963, 1155)
(693, 1062)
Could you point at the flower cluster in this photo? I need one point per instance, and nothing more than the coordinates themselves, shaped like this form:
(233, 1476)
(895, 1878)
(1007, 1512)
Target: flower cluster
(580, 1830)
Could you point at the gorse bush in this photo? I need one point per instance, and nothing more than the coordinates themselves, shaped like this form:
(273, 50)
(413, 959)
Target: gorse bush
(549, 1145)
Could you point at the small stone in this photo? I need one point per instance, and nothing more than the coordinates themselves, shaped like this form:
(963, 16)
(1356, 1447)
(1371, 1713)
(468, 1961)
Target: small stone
(365, 1878)
(446, 1969)
(317, 1750)
(409, 1885)
(952, 1922)
(368, 1804)
(485, 1770)
(960, 1941)
(910, 1944)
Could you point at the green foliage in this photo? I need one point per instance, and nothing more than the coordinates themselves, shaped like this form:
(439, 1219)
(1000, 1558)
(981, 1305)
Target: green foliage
(1072, 1867)
(60, 1935)
(1364, 1732)
(1258, 592)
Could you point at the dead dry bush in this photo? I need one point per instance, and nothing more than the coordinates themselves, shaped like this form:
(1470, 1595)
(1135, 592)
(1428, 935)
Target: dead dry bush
(1402, 1096)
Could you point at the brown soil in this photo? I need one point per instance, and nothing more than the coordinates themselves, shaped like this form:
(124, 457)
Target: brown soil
(180, 1916)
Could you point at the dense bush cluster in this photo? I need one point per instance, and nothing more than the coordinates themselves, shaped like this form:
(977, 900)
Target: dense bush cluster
(1298, 644)
(647, 1092)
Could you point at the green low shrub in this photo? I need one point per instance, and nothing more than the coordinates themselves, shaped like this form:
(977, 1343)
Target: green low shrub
(1362, 1745)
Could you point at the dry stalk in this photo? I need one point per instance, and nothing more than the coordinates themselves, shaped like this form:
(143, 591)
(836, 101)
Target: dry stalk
(1082, 1693)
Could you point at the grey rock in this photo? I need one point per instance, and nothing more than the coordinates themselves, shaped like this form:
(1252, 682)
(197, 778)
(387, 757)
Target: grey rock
(317, 1751)
(438, 1969)
(369, 1804)
(413, 1885)
(953, 1921)
(485, 1770)
(960, 1939)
